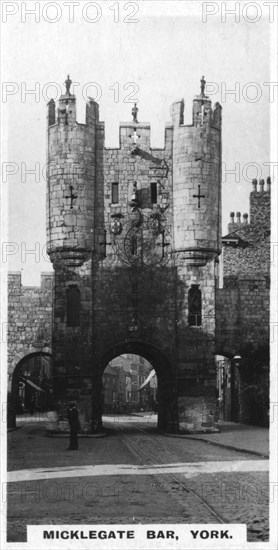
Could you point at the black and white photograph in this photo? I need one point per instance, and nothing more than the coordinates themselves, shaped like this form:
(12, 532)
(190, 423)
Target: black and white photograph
(139, 256)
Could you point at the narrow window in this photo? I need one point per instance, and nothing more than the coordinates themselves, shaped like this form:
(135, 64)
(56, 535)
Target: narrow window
(115, 192)
(153, 192)
(73, 306)
(194, 306)
(133, 245)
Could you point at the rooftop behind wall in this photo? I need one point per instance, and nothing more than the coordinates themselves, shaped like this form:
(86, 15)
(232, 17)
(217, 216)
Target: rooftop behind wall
(259, 208)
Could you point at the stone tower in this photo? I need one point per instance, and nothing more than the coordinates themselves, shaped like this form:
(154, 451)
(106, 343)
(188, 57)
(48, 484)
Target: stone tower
(72, 150)
(196, 246)
(197, 182)
(134, 235)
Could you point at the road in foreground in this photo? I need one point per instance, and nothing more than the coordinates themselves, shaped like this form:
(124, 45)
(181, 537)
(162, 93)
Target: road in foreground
(133, 475)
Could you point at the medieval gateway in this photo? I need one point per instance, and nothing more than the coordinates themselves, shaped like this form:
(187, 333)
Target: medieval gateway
(134, 236)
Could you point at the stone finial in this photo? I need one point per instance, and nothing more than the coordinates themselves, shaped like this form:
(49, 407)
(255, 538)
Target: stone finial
(232, 217)
(238, 217)
(245, 218)
(51, 112)
(268, 184)
(217, 115)
(92, 111)
(68, 84)
(254, 183)
(261, 184)
(203, 85)
(134, 113)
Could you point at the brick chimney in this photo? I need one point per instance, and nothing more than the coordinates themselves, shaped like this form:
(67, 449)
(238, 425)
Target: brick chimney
(260, 204)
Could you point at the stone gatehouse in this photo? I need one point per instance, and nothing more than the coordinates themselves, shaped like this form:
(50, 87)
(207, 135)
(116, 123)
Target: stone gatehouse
(134, 236)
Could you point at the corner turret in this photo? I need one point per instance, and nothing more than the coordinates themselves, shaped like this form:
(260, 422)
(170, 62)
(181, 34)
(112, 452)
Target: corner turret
(71, 180)
(197, 181)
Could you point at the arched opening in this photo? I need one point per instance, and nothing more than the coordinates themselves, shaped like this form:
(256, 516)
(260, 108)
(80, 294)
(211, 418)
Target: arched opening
(129, 386)
(162, 397)
(31, 390)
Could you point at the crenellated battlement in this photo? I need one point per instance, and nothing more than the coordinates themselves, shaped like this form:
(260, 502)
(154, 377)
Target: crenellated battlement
(65, 113)
(203, 114)
(131, 133)
(15, 281)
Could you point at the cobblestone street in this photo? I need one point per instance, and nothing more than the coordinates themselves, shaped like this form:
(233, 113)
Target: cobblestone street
(133, 475)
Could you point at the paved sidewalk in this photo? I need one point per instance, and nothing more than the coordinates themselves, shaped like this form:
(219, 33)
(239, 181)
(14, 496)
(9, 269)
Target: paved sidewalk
(241, 437)
(232, 435)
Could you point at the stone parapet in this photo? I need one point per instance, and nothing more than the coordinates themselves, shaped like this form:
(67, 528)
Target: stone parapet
(30, 314)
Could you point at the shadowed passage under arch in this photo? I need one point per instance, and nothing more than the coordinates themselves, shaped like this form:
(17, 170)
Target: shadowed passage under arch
(166, 392)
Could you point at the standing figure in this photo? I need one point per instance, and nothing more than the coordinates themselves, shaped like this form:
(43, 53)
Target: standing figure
(134, 113)
(74, 426)
(203, 85)
(68, 84)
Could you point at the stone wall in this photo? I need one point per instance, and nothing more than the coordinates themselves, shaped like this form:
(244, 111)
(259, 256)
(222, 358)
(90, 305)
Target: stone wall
(30, 315)
(243, 305)
(251, 258)
(242, 315)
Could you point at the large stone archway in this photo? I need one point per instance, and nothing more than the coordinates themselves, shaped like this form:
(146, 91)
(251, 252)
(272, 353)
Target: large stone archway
(167, 410)
(19, 358)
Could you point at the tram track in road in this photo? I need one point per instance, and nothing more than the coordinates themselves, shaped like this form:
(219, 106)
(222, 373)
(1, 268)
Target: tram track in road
(136, 448)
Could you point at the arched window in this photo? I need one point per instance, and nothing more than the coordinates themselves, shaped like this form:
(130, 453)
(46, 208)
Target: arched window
(73, 306)
(194, 306)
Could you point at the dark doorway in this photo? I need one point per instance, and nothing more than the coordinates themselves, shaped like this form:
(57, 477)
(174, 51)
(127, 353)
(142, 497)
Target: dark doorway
(32, 385)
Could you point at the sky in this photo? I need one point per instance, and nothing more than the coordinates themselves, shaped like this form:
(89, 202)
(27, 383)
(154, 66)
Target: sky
(153, 52)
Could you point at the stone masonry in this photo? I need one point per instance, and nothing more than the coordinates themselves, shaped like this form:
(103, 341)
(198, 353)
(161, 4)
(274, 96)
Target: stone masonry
(130, 231)
(134, 237)
(30, 314)
(242, 306)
